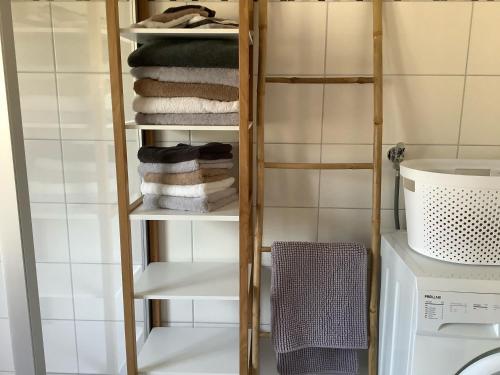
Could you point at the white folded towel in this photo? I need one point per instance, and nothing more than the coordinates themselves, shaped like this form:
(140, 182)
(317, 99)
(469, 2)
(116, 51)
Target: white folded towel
(183, 105)
(198, 190)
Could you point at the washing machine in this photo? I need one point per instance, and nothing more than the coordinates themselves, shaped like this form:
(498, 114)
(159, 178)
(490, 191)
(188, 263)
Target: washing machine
(436, 318)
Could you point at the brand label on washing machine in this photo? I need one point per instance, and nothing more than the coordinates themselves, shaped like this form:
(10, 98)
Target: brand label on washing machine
(437, 308)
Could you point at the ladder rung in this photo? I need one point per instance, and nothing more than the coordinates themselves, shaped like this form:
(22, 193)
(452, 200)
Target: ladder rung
(319, 165)
(341, 80)
(265, 249)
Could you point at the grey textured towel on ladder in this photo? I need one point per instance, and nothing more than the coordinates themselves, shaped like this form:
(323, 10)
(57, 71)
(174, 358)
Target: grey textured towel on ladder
(318, 306)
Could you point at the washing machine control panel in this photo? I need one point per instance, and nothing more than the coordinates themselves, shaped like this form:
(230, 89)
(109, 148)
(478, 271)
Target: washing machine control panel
(442, 312)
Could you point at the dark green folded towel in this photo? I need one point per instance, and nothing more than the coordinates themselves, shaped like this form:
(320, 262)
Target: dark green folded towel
(194, 53)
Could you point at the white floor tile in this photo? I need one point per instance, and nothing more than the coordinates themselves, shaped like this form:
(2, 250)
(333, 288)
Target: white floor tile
(6, 356)
(45, 179)
(101, 347)
(85, 105)
(289, 224)
(94, 234)
(290, 49)
(349, 38)
(38, 98)
(423, 37)
(33, 36)
(50, 234)
(481, 112)
(60, 346)
(54, 289)
(97, 292)
(293, 113)
(422, 109)
(80, 36)
(485, 33)
(215, 241)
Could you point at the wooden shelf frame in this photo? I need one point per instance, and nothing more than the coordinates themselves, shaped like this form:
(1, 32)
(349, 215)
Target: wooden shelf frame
(375, 166)
(241, 212)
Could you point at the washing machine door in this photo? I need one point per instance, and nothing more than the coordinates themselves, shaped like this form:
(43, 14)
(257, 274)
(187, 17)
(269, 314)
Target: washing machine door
(486, 364)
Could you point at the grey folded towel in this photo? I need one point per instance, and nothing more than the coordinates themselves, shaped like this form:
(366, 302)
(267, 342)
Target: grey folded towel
(184, 166)
(318, 300)
(209, 203)
(188, 118)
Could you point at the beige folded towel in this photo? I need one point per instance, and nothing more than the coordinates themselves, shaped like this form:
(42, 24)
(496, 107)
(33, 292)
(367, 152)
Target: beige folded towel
(200, 176)
(151, 87)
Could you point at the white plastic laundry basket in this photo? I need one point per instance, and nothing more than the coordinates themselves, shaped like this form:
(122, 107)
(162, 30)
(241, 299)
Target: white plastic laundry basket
(453, 209)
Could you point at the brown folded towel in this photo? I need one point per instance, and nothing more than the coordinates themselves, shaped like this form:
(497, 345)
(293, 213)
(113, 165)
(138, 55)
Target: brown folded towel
(200, 176)
(167, 17)
(153, 88)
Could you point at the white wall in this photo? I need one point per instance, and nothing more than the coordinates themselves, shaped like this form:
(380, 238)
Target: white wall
(442, 89)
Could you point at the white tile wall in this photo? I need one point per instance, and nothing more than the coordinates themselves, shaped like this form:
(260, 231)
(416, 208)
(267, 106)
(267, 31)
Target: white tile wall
(441, 90)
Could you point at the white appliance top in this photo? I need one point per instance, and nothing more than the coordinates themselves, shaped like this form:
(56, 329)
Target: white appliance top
(439, 274)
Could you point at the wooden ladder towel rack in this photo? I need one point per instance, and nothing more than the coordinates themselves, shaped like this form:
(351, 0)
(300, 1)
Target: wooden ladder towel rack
(375, 166)
(160, 353)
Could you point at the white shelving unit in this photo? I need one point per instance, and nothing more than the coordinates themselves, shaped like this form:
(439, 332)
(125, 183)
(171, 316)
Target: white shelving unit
(191, 281)
(184, 350)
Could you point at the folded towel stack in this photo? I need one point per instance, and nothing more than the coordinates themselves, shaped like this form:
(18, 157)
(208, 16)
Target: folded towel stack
(188, 16)
(188, 178)
(186, 81)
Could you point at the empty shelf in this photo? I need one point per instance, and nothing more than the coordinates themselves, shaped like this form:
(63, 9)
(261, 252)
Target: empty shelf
(133, 125)
(190, 351)
(176, 280)
(143, 35)
(226, 213)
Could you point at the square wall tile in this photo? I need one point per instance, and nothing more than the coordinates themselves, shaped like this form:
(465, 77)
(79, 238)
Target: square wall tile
(426, 37)
(33, 36)
(422, 109)
(85, 105)
(218, 312)
(211, 136)
(479, 152)
(485, 33)
(50, 233)
(80, 36)
(38, 96)
(6, 355)
(94, 235)
(177, 311)
(481, 113)
(44, 166)
(289, 224)
(176, 243)
(290, 49)
(55, 291)
(101, 347)
(60, 346)
(350, 224)
(293, 113)
(349, 38)
(97, 292)
(215, 241)
(348, 111)
(159, 6)
(89, 171)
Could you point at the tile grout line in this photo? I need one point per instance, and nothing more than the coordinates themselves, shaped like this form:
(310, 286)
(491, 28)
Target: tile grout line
(322, 121)
(465, 82)
(64, 183)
